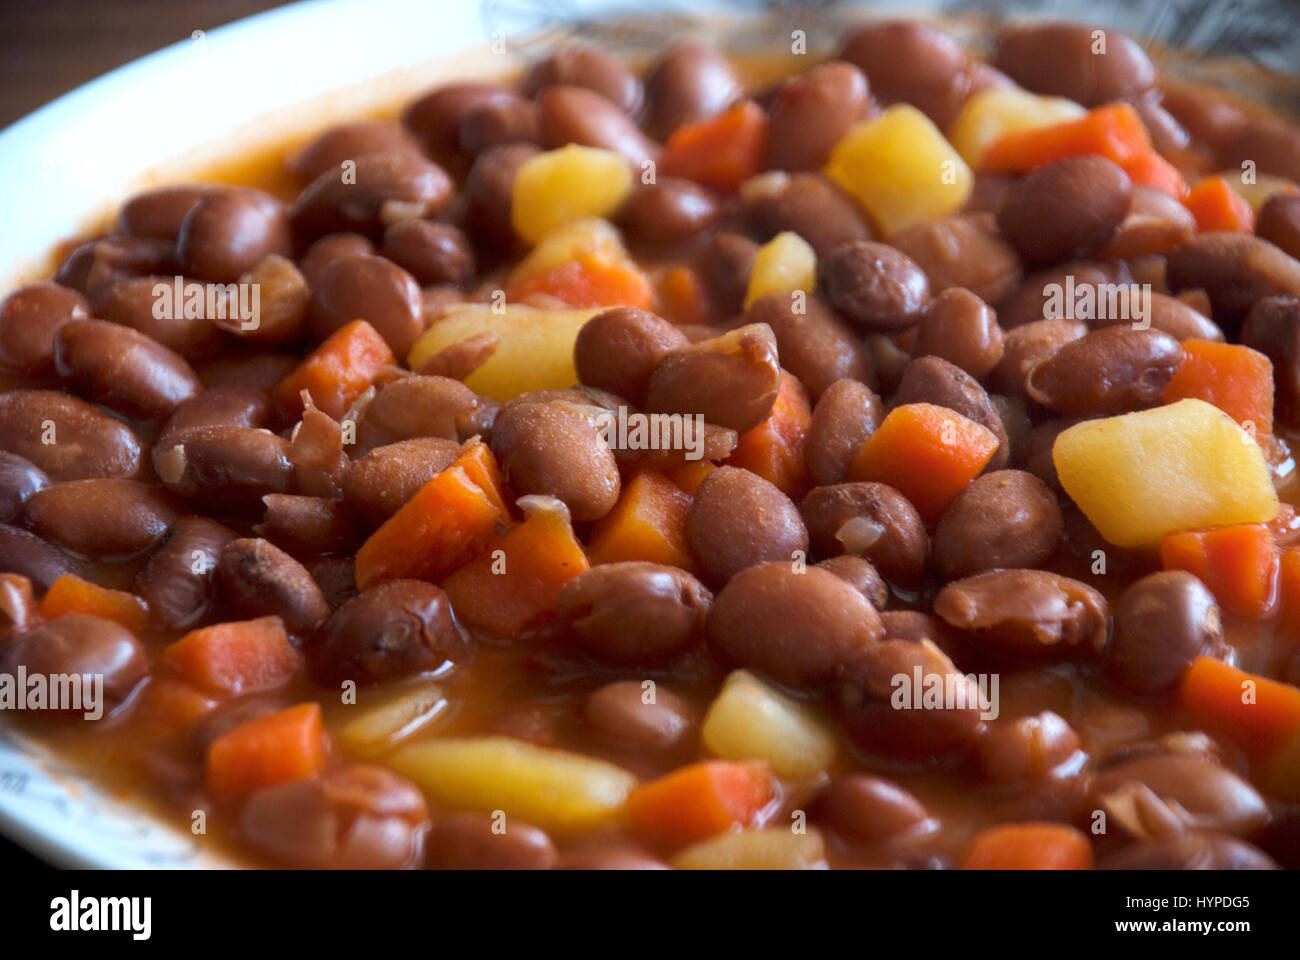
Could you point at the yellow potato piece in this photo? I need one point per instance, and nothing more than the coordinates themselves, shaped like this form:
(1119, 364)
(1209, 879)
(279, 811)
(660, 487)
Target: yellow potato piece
(1177, 467)
(535, 350)
(988, 115)
(567, 184)
(559, 791)
(394, 718)
(751, 720)
(786, 262)
(901, 169)
(776, 848)
(591, 235)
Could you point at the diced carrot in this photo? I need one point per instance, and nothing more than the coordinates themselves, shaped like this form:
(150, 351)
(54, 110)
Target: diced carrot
(689, 474)
(590, 280)
(1152, 170)
(515, 581)
(336, 372)
(682, 298)
(446, 524)
(1238, 564)
(648, 523)
(775, 448)
(1114, 131)
(1029, 846)
(71, 594)
(929, 453)
(248, 656)
(173, 707)
(1235, 378)
(1288, 588)
(700, 800)
(1216, 206)
(289, 744)
(1259, 714)
(721, 152)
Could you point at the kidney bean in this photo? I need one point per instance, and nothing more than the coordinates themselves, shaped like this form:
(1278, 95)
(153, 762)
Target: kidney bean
(475, 841)
(308, 526)
(1279, 222)
(123, 369)
(910, 61)
(861, 574)
(1108, 371)
(1192, 850)
(41, 562)
(82, 645)
(725, 266)
(158, 213)
(382, 189)
(1174, 317)
(1204, 795)
(1155, 224)
(814, 343)
(667, 212)
(1043, 295)
(336, 577)
(846, 414)
(732, 380)
(1028, 748)
(347, 141)
(577, 65)
(19, 479)
(1037, 458)
(1065, 209)
(961, 251)
(371, 287)
(258, 579)
(431, 252)
(811, 113)
(497, 124)
(633, 612)
(805, 203)
(1163, 622)
(177, 581)
(960, 328)
(1069, 60)
(936, 381)
(102, 517)
(258, 368)
(83, 441)
(331, 247)
(796, 628)
(876, 287)
(621, 713)
(435, 118)
(870, 520)
(1271, 144)
(1007, 518)
(868, 809)
(489, 192)
(379, 483)
(136, 302)
(581, 116)
(1023, 348)
(916, 626)
(688, 83)
(29, 318)
(737, 520)
(393, 630)
(419, 407)
(1236, 270)
(1032, 613)
(235, 405)
(351, 818)
(281, 307)
(101, 263)
(619, 349)
(227, 232)
(226, 468)
(1273, 328)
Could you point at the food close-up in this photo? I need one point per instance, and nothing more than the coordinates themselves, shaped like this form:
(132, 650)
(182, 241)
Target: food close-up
(872, 458)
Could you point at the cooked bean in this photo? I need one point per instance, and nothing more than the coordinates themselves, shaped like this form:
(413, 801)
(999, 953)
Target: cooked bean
(619, 349)
(258, 579)
(85, 646)
(804, 203)
(331, 247)
(254, 367)
(814, 343)
(731, 380)
(1067, 60)
(1007, 518)
(395, 629)
(737, 520)
(144, 304)
(1029, 748)
(1023, 348)
(377, 485)
(308, 526)
(177, 582)
(910, 61)
(159, 213)
(1272, 144)
(634, 612)
(432, 252)
(347, 141)
(688, 83)
(227, 232)
(226, 468)
(621, 713)
(1189, 851)
(1038, 450)
(41, 562)
(497, 124)
(1174, 317)
(371, 287)
(667, 212)
(489, 192)
(1032, 613)
(796, 628)
(101, 517)
(1164, 622)
(870, 520)
(1203, 794)
(19, 479)
(29, 318)
(936, 381)
(1108, 371)
(876, 287)
(100, 263)
(1279, 222)
(283, 297)
(962, 251)
(811, 113)
(1273, 328)
(1155, 224)
(1236, 270)
(419, 407)
(476, 841)
(1042, 295)
(963, 330)
(916, 626)
(577, 115)
(351, 818)
(575, 65)
(1065, 209)
(123, 369)
(846, 414)
(336, 577)
(381, 189)
(868, 809)
(861, 574)
(235, 405)
(725, 266)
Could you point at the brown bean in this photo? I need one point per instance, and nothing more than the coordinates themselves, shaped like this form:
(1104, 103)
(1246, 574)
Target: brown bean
(814, 343)
(101, 517)
(29, 318)
(731, 380)
(1108, 371)
(737, 520)
(431, 252)
(577, 115)
(85, 646)
(226, 468)
(634, 612)
(868, 809)
(1272, 144)
(381, 189)
(576, 65)
(811, 113)
(725, 266)
(24, 553)
(619, 349)
(1023, 348)
(489, 193)
(870, 520)
(963, 330)
(435, 117)
(307, 526)
(1163, 622)
(258, 579)
(913, 62)
(804, 203)
(100, 263)
(159, 213)
(1279, 222)
(476, 841)
(1038, 450)
(861, 574)
(630, 716)
(962, 251)
(1070, 60)
(876, 287)
(796, 628)
(1200, 792)
(371, 287)
(1236, 270)
(258, 368)
(1065, 209)
(1028, 748)
(1044, 295)
(395, 629)
(350, 818)
(347, 141)
(936, 381)
(846, 414)
(688, 83)
(1031, 613)
(1155, 224)
(227, 232)
(378, 484)
(177, 582)
(497, 124)
(420, 407)
(1273, 328)
(331, 247)
(67, 438)
(669, 211)
(235, 405)
(1007, 518)
(1192, 850)
(150, 305)
(282, 300)
(336, 577)
(1174, 317)
(18, 608)
(19, 479)
(123, 369)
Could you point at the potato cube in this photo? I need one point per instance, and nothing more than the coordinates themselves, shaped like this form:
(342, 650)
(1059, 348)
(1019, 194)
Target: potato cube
(394, 718)
(786, 262)
(776, 848)
(751, 720)
(567, 184)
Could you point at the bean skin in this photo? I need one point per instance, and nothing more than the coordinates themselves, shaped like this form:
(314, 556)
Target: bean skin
(371, 287)
(1023, 348)
(812, 112)
(619, 713)
(871, 520)
(28, 555)
(80, 644)
(177, 581)
(846, 414)
(1065, 209)
(123, 369)
(737, 520)
(226, 468)
(876, 287)
(307, 526)
(488, 193)
(868, 809)
(19, 479)
(29, 318)
(257, 579)
(234, 405)
(861, 574)
(1007, 518)
(578, 115)
(689, 82)
(107, 518)
(667, 212)
(962, 251)
(731, 380)
(814, 343)
(915, 62)
(386, 187)
(159, 213)
(378, 484)
(1203, 793)
(227, 232)
(1028, 748)
(472, 841)
(1108, 371)
(1163, 622)
(962, 329)
(804, 203)
(619, 349)
(420, 406)
(432, 252)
